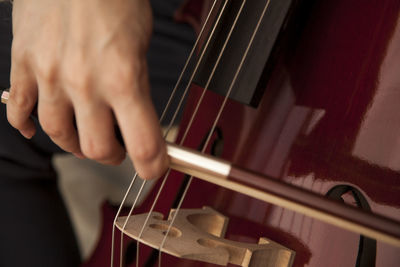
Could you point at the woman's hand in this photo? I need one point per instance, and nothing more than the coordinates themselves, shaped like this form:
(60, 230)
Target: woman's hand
(86, 61)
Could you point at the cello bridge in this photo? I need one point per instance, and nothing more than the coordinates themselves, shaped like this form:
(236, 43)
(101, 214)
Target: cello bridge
(198, 234)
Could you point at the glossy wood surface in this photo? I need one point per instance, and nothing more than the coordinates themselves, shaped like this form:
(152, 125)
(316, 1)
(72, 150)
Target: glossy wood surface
(329, 116)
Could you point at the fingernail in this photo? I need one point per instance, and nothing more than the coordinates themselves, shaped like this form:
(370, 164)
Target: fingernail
(28, 134)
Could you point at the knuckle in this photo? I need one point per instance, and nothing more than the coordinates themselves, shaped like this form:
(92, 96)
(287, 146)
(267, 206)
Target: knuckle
(120, 93)
(98, 152)
(21, 100)
(53, 130)
(129, 69)
(146, 152)
(116, 160)
(57, 130)
(47, 72)
(18, 51)
(78, 83)
(127, 75)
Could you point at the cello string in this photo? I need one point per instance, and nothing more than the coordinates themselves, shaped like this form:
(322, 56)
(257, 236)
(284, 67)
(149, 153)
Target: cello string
(176, 113)
(169, 127)
(216, 120)
(210, 133)
(179, 105)
(116, 217)
(123, 228)
(199, 102)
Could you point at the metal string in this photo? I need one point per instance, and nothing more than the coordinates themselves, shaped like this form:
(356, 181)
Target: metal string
(216, 120)
(176, 113)
(126, 221)
(169, 127)
(218, 116)
(166, 133)
(116, 217)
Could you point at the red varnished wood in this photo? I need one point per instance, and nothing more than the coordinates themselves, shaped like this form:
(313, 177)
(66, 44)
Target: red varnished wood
(329, 116)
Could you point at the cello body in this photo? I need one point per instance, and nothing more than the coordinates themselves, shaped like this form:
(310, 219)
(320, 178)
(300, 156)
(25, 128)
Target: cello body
(328, 118)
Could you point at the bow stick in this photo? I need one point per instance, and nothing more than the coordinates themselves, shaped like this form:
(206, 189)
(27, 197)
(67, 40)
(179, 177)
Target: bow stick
(272, 190)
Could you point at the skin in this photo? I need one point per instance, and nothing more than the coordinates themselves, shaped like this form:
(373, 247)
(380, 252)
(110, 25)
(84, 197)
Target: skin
(85, 61)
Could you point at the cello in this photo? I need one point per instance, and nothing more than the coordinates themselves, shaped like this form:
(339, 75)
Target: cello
(302, 93)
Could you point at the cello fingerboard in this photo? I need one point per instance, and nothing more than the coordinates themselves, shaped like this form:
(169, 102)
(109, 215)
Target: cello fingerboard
(248, 86)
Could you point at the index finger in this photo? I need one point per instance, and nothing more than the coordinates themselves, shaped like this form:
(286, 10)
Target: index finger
(141, 132)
